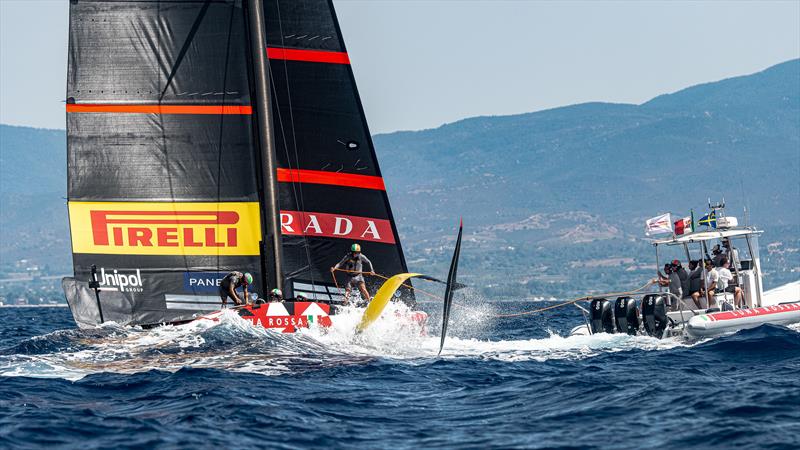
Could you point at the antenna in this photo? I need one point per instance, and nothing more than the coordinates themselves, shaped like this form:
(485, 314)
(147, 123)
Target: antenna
(745, 201)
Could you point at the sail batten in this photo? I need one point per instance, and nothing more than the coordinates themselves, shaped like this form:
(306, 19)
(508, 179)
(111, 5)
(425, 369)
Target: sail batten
(158, 108)
(331, 178)
(316, 56)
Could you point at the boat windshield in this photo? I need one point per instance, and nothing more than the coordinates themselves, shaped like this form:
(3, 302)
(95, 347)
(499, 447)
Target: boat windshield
(738, 244)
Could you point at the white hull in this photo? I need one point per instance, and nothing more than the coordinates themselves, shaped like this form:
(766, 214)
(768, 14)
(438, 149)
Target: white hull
(729, 321)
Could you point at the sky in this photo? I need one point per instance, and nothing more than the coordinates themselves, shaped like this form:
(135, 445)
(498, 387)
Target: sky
(420, 64)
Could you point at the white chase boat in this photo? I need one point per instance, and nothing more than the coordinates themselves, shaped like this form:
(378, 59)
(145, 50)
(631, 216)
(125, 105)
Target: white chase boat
(663, 314)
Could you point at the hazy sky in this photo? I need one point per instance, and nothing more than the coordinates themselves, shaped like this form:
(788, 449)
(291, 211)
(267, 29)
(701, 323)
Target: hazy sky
(423, 63)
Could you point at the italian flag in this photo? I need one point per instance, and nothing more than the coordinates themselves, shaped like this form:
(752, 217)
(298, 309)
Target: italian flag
(683, 226)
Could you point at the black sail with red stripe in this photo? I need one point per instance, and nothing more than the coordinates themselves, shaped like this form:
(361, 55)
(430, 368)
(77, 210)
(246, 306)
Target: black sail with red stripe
(166, 169)
(161, 150)
(331, 188)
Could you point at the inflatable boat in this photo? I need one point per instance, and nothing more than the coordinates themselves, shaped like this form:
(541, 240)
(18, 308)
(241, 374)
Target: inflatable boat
(734, 306)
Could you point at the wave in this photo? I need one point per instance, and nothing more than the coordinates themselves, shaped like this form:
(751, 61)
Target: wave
(235, 345)
(764, 342)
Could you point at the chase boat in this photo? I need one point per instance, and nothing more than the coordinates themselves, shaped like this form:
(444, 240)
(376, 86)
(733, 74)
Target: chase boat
(662, 314)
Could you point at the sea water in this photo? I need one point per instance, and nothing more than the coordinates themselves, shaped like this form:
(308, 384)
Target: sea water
(500, 382)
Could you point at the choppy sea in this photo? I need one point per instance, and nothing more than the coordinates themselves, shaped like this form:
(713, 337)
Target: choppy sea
(501, 383)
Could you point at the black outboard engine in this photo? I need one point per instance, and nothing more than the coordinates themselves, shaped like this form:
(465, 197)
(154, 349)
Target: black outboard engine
(626, 315)
(602, 316)
(654, 314)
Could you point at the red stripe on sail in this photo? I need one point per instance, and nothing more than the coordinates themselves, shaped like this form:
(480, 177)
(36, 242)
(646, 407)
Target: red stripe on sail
(339, 226)
(159, 109)
(289, 54)
(331, 178)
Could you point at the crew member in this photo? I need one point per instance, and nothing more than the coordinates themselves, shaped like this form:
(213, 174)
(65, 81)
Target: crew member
(673, 281)
(228, 285)
(696, 282)
(682, 275)
(718, 255)
(731, 253)
(725, 283)
(712, 278)
(276, 295)
(353, 265)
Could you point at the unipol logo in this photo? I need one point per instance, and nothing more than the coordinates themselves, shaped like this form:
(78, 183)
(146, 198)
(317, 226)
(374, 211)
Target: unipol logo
(165, 228)
(115, 280)
(297, 223)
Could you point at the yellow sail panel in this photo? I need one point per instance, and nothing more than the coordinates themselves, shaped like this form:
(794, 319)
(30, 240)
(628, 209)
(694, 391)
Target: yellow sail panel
(162, 228)
(382, 298)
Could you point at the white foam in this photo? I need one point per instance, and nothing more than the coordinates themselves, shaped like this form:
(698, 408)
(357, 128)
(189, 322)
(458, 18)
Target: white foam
(234, 344)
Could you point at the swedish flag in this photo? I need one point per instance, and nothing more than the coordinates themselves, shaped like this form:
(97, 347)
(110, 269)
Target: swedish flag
(709, 220)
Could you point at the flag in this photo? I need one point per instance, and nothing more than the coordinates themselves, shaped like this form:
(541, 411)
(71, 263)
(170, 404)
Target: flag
(709, 220)
(658, 224)
(683, 226)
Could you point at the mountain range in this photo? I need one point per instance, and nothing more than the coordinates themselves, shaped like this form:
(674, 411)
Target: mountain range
(541, 193)
(671, 153)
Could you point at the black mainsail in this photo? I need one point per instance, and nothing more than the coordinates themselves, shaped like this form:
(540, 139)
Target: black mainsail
(331, 188)
(168, 170)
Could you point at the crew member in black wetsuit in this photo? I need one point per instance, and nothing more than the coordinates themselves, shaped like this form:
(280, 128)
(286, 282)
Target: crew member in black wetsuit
(353, 265)
(228, 285)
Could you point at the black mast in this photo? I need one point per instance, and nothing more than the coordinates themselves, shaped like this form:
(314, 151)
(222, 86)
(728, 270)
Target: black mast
(271, 214)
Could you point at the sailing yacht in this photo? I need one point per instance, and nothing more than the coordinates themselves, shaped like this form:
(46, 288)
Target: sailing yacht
(205, 137)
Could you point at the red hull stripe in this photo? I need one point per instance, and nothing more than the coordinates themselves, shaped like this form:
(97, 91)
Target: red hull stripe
(754, 312)
(160, 109)
(289, 54)
(331, 178)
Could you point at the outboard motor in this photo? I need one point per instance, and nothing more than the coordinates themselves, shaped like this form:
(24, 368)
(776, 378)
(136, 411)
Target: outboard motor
(602, 316)
(626, 315)
(654, 314)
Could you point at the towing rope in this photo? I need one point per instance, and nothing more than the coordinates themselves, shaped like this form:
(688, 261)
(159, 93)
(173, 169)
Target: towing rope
(523, 313)
(576, 300)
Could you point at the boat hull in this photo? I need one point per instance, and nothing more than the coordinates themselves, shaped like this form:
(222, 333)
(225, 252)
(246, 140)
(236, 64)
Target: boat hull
(289, 317)
(729, 321)
(700, 325)
(285, 317)
(121, 308)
